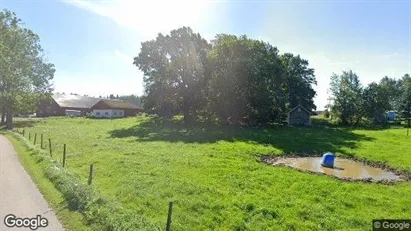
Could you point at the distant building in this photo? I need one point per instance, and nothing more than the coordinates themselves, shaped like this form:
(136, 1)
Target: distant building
(59, 103)
(114, 109)
(299, 116)
(76, 105)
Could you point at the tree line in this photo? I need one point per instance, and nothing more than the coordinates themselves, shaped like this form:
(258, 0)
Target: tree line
(133, 99)
(232, 78)
(25, 74)
(353, 102)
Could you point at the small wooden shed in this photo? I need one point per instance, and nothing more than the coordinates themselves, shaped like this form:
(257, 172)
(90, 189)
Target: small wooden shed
(299, 116)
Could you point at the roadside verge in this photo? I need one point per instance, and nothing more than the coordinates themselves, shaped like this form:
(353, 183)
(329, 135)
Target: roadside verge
(78, 206)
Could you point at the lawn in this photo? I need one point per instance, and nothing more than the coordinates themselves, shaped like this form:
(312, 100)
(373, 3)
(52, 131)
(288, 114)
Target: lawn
(213, 175)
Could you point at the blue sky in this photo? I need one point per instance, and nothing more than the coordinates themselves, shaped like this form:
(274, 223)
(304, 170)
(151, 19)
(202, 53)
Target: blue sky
(92, 43)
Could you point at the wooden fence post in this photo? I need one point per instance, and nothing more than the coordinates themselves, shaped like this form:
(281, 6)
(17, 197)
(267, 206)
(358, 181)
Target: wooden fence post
(170, 211)
(35, 138)
(64, 156)
(51, 153)
(29, 136)
(23, 132)
(90, 175)
(41, 141)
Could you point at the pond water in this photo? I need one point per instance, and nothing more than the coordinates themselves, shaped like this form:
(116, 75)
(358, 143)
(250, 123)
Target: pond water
(343, 168)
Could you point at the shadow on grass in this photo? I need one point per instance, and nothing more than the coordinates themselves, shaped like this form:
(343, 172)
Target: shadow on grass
(325, 123)
(24, 123)
(291, 140)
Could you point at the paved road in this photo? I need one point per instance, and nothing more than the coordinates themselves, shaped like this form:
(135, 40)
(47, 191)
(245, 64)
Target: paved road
(18, 194)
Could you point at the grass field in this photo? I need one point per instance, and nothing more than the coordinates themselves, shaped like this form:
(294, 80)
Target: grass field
(214, 177)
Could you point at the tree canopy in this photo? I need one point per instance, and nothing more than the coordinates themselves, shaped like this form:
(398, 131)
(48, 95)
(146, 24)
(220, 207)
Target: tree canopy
(25, 74)
(173, 66)
(235, 79)
(352, 102)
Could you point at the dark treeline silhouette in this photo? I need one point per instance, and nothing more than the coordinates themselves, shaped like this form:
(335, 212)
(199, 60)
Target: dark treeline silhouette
(133, 99)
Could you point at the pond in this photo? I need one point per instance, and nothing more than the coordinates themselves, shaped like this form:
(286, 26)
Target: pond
(343, 168)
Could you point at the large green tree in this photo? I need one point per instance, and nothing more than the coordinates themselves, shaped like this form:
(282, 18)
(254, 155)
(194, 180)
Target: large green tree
(244, 80)
(25, 74)
(346, 92)
(299, 79)
(391, 88)
(173, 67)
(405, 97)
(375, 102)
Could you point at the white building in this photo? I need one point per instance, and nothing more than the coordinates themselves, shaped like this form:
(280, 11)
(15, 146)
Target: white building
(108, 113)
(114, 109)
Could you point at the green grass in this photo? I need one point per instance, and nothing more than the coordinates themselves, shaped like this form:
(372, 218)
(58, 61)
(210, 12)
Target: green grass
(214, 176)
(70, 220)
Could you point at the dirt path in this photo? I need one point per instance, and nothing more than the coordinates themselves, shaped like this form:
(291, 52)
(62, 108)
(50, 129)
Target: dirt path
(18, 194)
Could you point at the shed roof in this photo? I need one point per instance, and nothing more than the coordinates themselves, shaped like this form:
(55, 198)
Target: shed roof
(75, 101)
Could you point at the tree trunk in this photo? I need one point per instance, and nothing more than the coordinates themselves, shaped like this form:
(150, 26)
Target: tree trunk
(3, 118)
(186, 109)
(357, 121)
(3, 115)
(9, 118)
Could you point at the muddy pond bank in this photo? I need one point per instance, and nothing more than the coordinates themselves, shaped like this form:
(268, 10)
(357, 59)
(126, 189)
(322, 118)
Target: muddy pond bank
(345, 168)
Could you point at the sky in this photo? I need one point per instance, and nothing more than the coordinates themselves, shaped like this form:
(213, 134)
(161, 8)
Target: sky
(92, 43)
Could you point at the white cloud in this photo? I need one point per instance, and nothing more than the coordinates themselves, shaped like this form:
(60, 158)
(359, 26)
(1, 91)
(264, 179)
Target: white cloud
(150, 17)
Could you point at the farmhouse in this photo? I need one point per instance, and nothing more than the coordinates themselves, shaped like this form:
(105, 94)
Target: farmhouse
(65, 104)
(299, 116)
(114, 109)
(76, 105)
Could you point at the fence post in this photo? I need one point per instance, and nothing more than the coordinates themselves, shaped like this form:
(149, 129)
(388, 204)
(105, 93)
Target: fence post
(64, 156)
(51, 154)
(23, 132)
(41, 141)
(29, 136)
(35, 138)
(170, 211)
(90, 175)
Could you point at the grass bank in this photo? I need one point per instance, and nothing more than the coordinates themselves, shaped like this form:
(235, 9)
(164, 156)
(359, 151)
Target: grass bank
(78, 206)
(71, 220)
(214, 176)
